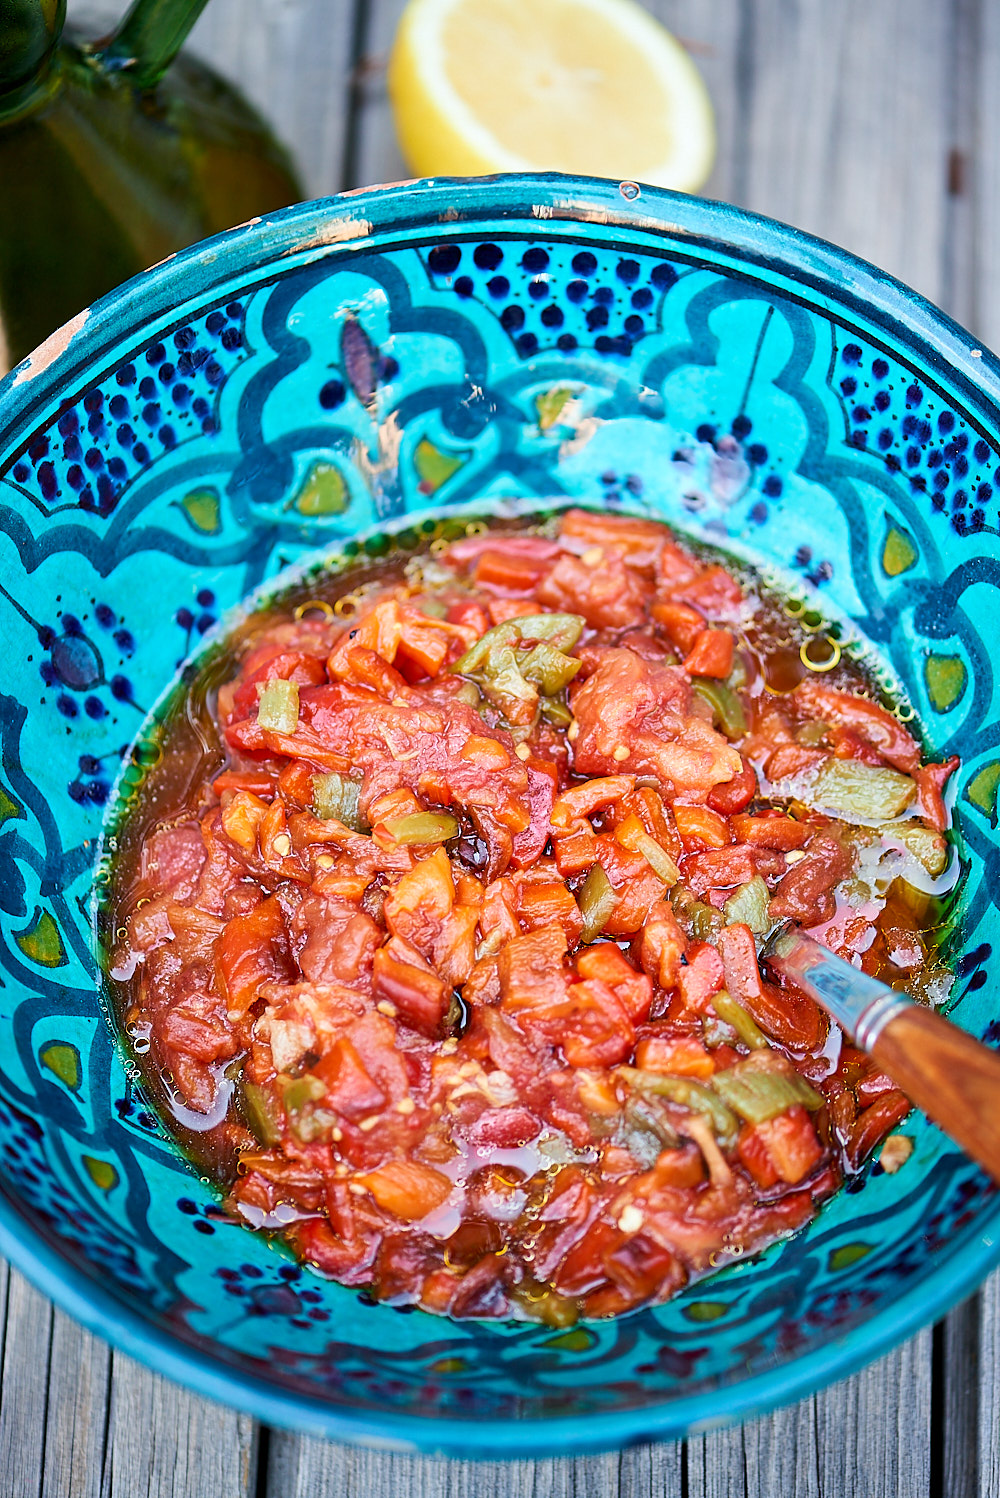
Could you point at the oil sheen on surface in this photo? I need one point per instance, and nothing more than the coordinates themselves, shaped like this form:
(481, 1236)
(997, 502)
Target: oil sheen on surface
(436, 919)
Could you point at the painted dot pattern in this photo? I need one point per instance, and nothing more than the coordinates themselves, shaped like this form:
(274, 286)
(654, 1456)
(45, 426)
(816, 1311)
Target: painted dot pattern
(554, 298)
(88, 455)
(918, 437)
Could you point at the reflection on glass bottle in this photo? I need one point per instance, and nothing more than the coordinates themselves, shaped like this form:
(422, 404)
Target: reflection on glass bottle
(108, 162)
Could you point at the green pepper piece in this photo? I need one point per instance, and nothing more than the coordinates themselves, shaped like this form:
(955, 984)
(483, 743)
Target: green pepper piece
(548, 668)
(260, 1113)
(597, 899)
(423, 828)
(300, 1091)
(870, 793)
(689, 1094)
(758, 1094)
(744, 1024)
(278, 708)
(559, 630)
(555, 711)
(751, 904)
(727, 709)
(336, 797)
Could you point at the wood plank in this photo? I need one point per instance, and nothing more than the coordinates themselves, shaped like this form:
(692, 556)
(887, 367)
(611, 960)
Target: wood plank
(26, 1334)
(867, 1437)
(959, 1412)
(847, 127)
(76, 1414)
(308, 1468)
(166, 1443)
(989, 1390)
(379, 158)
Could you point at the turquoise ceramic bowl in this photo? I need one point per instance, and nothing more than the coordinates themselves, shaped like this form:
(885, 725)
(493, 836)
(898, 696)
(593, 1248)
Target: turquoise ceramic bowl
(359, 363)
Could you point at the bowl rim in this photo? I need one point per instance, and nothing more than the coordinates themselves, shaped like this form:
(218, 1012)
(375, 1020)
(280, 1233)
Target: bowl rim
(440, 208)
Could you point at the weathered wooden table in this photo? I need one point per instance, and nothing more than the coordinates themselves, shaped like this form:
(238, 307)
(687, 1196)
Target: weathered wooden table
(875, 123)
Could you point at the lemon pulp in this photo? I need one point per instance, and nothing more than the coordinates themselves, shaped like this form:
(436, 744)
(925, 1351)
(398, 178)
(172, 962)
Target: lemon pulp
(595, 87)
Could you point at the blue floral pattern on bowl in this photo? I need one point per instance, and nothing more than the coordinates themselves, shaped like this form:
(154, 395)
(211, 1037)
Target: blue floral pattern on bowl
(369, 364)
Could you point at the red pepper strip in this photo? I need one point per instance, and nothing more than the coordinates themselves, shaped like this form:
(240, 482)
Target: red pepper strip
(733, 795)
(931, 781)
(876, 726)
(711, 654)
(874, 1124)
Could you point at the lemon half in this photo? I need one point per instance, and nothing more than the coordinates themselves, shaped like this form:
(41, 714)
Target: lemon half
(594, 87)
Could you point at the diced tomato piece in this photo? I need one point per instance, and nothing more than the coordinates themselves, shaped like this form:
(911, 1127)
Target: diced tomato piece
(680, 1056)
(714, 592)
(805, 893)
(252, 950)
(640, 541)
(418, 995)
(783, 833)
(582, 800)
(739, 960)
(407, 1189)
(349, 1088)
(711, 654)
(295, 784)
(849, 745)
(681, 623)
(605, 961)
(470, 615)
(534, 547)
(576, 850)
(755, 1156)
(418, 904)
(508, 570)
(532, 969)
(701, 829)
(662, 945)
(609, 595)
(725, 868)
(528, 844)
(550, 903)
(734, 795)
(791, 1143)
(701, 977)
(792, 759)
(293, 665)
(931, 781)
(591, 1026)
(683, 1166)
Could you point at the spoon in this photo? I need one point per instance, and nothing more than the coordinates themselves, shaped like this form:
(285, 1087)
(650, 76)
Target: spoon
(953, 1078)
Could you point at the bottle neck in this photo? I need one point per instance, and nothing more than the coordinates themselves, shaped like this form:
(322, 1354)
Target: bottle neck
(30, 30)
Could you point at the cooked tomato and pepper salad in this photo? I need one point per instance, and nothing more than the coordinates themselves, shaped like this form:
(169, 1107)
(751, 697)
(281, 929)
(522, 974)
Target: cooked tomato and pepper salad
(438, 922)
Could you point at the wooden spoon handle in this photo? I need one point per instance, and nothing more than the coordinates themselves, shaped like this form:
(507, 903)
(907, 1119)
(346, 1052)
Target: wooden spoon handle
(953, 1078)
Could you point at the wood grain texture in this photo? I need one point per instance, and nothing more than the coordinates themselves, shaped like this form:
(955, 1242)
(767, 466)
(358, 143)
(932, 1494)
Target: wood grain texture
(306, 1468)
(988, 1443)
(79, 1388)
(846, 126)
(866, 1437)
(163, 1442)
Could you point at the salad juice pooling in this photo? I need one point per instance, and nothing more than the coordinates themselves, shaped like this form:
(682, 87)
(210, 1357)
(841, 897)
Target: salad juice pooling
(439, 919)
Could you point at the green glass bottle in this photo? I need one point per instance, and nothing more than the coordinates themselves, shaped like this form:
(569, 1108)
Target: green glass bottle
(108, 162)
